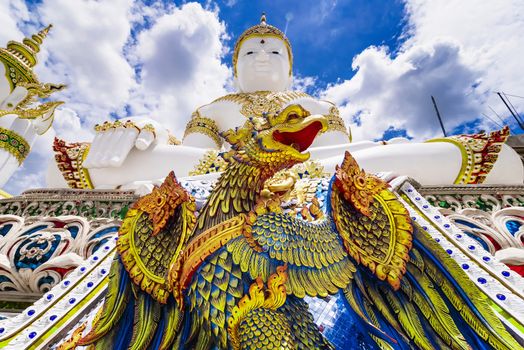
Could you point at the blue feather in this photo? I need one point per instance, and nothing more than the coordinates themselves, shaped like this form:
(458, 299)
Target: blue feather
(125, 331)
(157, 340)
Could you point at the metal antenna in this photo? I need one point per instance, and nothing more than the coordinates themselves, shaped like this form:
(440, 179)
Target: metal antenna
(494, 122)
(438, 116)
(510, 110)
(505, 94)
(498, 116)
(501, 120)
(513, 107)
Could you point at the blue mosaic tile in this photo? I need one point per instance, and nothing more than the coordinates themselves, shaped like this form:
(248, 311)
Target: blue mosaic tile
(337, 324)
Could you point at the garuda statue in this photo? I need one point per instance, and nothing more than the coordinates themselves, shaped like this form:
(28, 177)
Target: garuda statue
(234, 275)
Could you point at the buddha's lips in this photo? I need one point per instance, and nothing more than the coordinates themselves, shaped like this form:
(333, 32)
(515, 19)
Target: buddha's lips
(301, 139)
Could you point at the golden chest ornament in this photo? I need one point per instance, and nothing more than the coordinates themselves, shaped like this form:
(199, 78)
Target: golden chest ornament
(256, 104)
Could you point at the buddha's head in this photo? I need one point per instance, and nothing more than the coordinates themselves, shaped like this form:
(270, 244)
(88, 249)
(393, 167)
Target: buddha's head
(262, 59)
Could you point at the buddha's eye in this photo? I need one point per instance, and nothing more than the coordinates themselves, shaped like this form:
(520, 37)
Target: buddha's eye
(249, 53)
(275, 52)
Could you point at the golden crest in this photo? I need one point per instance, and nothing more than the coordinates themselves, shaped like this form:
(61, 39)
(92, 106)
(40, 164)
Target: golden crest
(162, 201)
(357, 186)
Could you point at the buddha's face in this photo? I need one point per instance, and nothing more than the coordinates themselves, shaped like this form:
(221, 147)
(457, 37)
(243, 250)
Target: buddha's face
(263, 65)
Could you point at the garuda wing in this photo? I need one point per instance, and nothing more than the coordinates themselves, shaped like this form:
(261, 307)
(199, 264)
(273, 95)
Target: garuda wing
(139, 311)
(317, 263)
(406, 285)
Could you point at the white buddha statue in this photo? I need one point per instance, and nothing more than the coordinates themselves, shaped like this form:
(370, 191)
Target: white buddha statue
(21, 118)
(137, 151)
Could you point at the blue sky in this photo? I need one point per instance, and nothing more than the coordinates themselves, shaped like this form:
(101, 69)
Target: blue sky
(379, 61)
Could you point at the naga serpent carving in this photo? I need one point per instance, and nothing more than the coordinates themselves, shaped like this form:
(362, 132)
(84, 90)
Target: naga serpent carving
(235, 275)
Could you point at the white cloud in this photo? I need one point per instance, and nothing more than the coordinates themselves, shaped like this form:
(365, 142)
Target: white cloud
(23, 179)
(490, 34)
(11, 11)
(181, 65)
(303, 83)
(85, 50)
(230, 3)
(178, 51)
(451, 47)
(396, 92)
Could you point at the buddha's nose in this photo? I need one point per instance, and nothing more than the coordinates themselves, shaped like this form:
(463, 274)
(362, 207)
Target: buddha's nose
(262, 56)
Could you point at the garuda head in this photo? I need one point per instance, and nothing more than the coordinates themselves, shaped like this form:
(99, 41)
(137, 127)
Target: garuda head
(276, 141)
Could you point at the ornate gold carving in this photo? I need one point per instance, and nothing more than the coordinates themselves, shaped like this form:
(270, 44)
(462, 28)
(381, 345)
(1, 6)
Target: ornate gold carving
(38, 90)
(15, 71)
(129, 124)
(33, 113)
(69, 158)
(72, 342)
(357, 187)
(211, 162)
(173, 140)
(19, 58)
(27, 50)
(258, 297)
(479, 153)
(150, 128)
(298, 182)
(256, 104)
(335, 122)
(162, 201)
(262, 29)
(203, 125)
(14, 144)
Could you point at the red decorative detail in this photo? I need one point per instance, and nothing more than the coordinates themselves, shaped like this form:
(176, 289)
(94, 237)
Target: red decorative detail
(62, 270)
(302, 138)
(69, 158)
(491, 151)
(58, 223)
(494, 242)
(518, 269)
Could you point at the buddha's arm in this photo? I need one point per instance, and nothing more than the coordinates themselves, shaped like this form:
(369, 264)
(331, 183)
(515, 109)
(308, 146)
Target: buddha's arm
(139, 151)
(114, 140)
(202, 131)
(151, 165)
(442, 162)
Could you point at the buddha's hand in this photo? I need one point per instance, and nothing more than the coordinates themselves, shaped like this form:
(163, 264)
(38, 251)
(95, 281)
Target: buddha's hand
(114, 141)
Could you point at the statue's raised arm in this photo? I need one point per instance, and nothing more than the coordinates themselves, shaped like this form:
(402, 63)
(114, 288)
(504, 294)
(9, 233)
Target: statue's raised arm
(22, 116)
